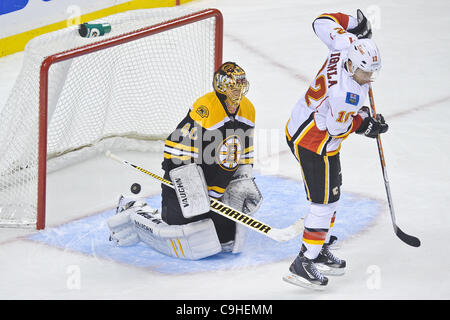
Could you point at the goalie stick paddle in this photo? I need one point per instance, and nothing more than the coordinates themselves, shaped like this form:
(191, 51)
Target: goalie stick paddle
(276, 234)
(406, 238)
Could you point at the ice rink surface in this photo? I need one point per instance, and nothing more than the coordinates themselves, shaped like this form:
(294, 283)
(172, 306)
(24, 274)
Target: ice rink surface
(274, 42)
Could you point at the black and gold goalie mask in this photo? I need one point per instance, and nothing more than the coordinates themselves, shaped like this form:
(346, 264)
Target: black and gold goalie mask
(230, 81)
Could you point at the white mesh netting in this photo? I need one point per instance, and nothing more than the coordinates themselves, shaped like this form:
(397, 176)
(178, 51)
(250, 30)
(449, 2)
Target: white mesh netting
(109, 99)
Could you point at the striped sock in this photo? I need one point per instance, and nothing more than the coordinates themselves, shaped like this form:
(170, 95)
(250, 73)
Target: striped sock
(327, 239)
(313, 240)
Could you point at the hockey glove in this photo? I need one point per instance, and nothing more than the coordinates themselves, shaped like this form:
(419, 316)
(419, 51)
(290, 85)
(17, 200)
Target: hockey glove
(372, 127)
(364, 28)
(242, 193)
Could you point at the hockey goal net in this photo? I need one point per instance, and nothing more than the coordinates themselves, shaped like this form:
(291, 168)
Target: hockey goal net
(78, 95)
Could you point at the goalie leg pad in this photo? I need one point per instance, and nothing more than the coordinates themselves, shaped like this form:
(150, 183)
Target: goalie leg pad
(122, 230)
(191, 189)
(192, 241)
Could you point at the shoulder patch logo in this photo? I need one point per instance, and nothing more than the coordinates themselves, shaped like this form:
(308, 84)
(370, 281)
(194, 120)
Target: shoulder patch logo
(202, 111)
(352, 98)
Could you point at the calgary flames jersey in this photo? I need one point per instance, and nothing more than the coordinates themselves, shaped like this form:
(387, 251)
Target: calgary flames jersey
(327, 113)
(215, 140)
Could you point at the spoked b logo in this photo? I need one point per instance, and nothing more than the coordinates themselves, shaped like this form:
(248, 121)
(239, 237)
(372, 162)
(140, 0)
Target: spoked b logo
(229, 153)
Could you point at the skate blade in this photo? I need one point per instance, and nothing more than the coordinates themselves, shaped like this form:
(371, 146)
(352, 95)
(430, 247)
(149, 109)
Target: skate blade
(328, 271)
(302, 282)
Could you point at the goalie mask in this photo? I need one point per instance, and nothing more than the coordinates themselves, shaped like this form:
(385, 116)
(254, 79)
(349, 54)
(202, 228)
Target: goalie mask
(230, 81)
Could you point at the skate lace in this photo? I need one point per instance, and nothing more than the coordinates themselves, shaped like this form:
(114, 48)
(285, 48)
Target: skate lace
(313, 270)
(317, 274)
(327, 253)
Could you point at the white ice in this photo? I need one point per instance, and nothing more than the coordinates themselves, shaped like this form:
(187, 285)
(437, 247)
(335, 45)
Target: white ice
(274, 42)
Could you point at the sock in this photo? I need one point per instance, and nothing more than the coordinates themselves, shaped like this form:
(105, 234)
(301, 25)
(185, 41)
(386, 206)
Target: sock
(327, 239)
(317, 225)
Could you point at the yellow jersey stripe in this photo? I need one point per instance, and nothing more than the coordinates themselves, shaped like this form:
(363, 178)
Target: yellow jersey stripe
(172, 156)
(286, 130)
(251, 148)
(216, 189)
(247, 161)
(328, 16)
(181, 146)
(345, 134)
(335, 152)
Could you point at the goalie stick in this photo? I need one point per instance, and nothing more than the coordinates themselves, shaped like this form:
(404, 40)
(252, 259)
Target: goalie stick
(276, 234)
(406, 238)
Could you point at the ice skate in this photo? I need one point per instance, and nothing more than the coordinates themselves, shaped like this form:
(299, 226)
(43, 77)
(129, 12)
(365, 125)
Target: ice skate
(328, 264)
(304, 273)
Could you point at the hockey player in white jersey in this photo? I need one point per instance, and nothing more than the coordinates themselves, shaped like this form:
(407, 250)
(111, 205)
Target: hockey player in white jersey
(329, 111)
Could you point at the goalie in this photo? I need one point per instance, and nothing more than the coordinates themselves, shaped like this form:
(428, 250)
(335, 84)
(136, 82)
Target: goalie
(209, 154)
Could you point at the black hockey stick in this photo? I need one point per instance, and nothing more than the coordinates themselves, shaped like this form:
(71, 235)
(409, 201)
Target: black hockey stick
(406, 238)
(228, 212)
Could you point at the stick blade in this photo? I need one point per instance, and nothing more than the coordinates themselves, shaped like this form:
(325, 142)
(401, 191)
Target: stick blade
(406, 238)
(288, 233)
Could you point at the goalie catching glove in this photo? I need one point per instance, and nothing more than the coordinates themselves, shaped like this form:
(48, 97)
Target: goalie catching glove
(371, 127)
(242, 194)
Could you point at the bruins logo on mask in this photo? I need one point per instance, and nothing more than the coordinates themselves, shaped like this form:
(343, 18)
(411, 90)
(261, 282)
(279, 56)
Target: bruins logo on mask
(229, 153)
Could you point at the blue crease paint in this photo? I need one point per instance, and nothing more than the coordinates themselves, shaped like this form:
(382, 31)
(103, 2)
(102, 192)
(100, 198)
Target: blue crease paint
(284, 202)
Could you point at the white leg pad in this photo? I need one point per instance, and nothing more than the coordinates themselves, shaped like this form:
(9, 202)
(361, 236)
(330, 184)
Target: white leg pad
(192, 241)
(122, 230)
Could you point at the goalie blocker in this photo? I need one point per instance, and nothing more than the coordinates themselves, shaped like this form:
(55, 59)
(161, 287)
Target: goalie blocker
(191, 189)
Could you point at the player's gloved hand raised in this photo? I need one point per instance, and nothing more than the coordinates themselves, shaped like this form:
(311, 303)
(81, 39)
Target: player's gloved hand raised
(372, 127)
(364, 28)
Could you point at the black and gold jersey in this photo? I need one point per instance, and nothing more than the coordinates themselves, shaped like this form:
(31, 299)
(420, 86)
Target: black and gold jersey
(215, 140)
